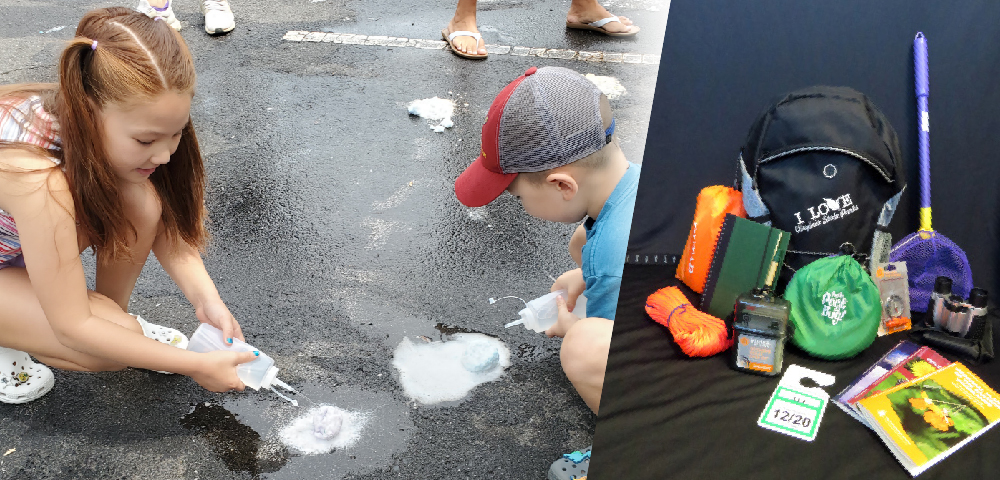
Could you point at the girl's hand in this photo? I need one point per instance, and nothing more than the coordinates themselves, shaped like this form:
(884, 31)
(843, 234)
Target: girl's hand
(217, 315)
(566, 320)
(217, 370)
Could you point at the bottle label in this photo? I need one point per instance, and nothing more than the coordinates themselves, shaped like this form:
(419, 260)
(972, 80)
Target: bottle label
(755, 352)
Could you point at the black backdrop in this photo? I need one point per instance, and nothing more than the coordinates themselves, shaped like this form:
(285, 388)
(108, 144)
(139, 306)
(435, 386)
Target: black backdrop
(666, 416)
(724, 61)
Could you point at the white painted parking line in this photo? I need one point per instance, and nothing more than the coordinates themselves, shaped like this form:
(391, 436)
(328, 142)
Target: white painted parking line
(386, 41)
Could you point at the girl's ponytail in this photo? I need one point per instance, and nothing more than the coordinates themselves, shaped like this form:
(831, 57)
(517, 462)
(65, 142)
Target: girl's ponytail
(99, 206)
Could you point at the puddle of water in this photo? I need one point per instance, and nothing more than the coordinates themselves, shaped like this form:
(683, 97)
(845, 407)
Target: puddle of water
(437, 372)
(257, 434)
(236, 444)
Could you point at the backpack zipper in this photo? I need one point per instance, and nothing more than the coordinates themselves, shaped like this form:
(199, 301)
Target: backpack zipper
(844, 151)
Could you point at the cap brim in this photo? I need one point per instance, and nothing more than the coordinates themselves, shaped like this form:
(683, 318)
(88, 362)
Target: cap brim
(477, 186)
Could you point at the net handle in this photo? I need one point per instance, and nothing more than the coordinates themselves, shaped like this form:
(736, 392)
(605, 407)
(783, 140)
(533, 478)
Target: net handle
(922, 89)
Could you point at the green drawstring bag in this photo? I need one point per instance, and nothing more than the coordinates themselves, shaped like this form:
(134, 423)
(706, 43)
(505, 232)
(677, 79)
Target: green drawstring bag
(835, 308)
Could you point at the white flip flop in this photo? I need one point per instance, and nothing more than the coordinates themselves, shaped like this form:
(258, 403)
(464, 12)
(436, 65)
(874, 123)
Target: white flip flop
(598, 26)
(450, 38)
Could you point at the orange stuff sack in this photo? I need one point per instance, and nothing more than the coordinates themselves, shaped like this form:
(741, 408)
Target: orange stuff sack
(713, 204)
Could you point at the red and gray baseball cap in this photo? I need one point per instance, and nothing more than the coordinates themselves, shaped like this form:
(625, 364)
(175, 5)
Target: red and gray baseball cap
(546, 118)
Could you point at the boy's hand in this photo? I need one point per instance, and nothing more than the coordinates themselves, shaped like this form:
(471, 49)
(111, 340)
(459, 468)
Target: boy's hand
(216, 314)
(565, 321)
(571, 281)
(217, 370)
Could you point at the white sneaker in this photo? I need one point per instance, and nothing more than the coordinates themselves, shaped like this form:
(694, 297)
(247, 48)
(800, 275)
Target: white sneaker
(165, 14)
(218, 17)
(22, 380)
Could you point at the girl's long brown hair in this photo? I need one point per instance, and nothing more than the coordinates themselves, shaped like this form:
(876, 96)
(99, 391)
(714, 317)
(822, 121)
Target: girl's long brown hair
(135, 59)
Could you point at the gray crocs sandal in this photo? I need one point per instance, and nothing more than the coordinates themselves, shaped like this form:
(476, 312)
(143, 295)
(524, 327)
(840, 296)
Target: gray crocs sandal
(21, 379)
(571, 466)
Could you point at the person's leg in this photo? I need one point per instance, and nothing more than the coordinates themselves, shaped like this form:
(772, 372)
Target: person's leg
(587, 11)
(465, 20)
(584, 356)
(25, 327)
(142, 207)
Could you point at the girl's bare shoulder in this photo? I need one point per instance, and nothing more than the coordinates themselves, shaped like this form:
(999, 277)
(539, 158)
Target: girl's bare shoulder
(26, 175)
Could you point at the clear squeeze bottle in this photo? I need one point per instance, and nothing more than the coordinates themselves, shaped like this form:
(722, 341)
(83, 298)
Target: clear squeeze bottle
(542, 312)
(256, 374)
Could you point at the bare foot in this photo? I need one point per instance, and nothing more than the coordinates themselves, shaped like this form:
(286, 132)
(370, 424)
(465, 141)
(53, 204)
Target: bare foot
(466, 44)
(587, 11)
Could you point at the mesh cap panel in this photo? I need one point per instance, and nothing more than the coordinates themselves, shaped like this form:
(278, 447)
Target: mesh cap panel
(553, 118)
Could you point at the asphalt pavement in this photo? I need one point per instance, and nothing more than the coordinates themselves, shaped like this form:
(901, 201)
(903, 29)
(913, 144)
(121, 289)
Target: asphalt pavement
(335, 235)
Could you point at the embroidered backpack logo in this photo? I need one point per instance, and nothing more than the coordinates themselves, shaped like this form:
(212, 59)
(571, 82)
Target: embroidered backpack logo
(831, 209)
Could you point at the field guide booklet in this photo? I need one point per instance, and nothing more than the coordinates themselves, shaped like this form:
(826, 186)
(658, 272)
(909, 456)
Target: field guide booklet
(925, 420)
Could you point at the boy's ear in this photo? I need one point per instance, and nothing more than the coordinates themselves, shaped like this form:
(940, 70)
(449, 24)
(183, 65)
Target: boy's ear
(565, 183)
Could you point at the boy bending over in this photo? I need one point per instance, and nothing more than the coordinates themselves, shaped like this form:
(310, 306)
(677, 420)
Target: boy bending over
(549, 141)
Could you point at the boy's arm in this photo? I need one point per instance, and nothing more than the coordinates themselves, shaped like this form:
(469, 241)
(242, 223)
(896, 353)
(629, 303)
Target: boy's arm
(184, 265)
(576, 243)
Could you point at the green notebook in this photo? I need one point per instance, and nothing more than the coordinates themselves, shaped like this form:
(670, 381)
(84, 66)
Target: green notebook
(744, 256)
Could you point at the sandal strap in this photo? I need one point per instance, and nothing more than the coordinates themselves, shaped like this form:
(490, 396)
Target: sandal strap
(604, 21)
(463, 33)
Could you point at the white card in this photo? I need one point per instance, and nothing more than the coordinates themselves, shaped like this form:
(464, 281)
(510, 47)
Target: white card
(795, 409)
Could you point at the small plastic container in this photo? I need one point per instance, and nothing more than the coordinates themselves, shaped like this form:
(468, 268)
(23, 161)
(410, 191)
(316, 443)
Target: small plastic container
(256, 374)
(542, 313)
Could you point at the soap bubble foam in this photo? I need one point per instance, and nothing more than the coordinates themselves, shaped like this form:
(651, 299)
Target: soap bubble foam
(323, 429)
(447, 371)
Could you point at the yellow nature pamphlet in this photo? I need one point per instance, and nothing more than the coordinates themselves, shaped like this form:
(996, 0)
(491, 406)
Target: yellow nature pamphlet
(925, 420)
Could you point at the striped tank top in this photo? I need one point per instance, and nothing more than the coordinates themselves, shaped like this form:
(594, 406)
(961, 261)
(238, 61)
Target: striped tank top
(24, 121)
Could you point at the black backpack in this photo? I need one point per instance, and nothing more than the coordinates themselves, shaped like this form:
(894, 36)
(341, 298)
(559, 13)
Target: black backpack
(823, 163)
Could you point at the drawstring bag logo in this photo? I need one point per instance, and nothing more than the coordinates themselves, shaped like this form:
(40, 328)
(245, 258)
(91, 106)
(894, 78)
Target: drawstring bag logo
(834, 306)
(829, 210)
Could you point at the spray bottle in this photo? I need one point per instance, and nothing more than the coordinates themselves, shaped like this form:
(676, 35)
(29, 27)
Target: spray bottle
(256, 374)
(541, 313)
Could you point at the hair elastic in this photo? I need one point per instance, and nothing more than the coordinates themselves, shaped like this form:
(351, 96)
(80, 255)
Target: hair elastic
(156, 19)
(93, 46)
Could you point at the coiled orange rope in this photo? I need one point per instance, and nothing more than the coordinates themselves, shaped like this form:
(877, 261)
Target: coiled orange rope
(699, 334)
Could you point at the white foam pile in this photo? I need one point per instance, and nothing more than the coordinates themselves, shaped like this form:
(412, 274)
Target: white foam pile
(610, 86)
(434, 109)
(447, 371)
(323, 429)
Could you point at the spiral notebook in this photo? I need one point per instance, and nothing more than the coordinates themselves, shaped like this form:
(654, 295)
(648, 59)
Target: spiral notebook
(744, 255)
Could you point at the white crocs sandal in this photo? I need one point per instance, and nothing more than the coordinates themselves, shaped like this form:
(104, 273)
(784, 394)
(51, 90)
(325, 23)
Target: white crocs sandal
(165, 335)
(21, 379)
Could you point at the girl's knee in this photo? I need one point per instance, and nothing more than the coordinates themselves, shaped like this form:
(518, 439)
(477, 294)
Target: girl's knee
(143, 208)
(105, 307)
